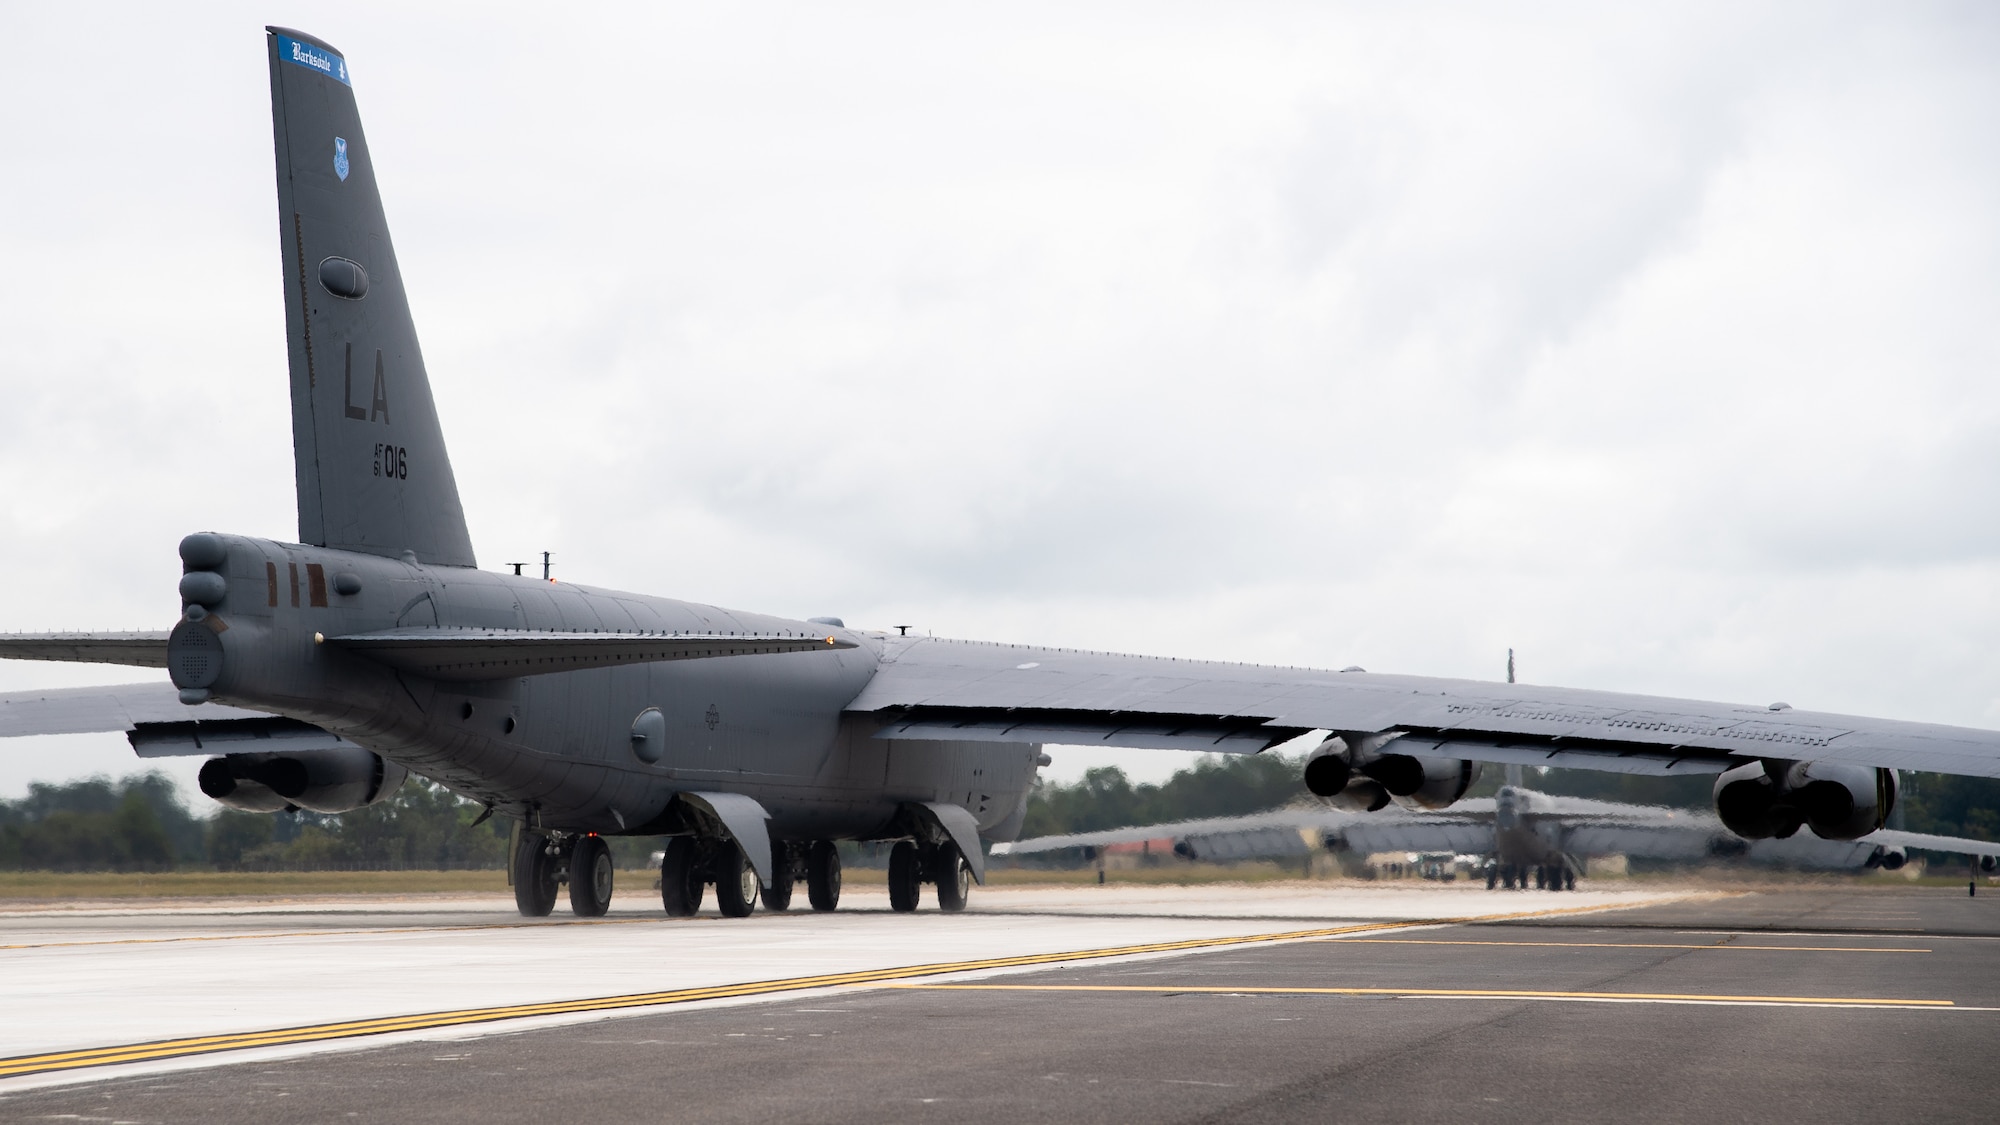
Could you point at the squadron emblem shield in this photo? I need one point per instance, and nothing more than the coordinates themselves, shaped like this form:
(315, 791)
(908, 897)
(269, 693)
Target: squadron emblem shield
(340, 157)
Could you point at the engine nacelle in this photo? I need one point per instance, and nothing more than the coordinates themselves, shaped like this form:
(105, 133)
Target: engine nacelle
(1354, 773)
(1427, 783)
(1330, 775)
(329, 781)
(1761, 800)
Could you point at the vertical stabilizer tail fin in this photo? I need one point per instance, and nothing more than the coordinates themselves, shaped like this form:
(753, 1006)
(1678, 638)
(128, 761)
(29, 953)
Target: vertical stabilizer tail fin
(373, 474)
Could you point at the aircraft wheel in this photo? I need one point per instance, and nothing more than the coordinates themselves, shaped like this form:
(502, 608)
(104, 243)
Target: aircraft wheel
(1541, 878)
(590, 877)
(1569, 879)
(534, 876)
(1492, 877)
(735, 883)
(1555, 878)
(680, 877)
(778, 896)
(906, 877)
(953, 877)
(823, 875)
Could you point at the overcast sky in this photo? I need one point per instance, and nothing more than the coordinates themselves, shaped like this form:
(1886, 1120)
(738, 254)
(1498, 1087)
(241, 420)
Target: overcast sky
(1659, 345)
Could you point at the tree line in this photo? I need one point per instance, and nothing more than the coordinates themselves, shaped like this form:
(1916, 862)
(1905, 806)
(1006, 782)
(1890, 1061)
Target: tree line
(140, 824)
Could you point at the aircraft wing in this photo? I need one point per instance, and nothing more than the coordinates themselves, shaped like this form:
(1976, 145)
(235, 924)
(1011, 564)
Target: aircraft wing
(1290, 833)
(141, 649)
(966, 690)
(1436, 832)
(122, 707)
(1283, 820)
(1957, 845)
(490, 654)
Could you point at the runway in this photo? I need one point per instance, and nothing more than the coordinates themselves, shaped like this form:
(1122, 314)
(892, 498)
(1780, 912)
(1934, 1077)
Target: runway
(1071, 1004)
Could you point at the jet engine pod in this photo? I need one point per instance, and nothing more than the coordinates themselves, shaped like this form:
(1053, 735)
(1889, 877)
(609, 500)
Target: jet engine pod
(1327, 771)
(329, 781)
(1748, 800)
(231, 784)
(1839, 801)
(1760, 800)
(1361, 795)
(1430, 783)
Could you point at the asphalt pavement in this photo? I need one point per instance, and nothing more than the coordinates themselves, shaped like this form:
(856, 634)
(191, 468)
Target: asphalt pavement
(1830, 1003)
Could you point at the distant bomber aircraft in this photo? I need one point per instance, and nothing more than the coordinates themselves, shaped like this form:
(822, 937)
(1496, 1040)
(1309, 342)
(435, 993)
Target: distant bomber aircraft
(319, 673)
(1528, 836)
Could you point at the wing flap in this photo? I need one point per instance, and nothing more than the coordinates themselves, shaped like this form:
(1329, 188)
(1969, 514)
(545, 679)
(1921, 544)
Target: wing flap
(1209, 733)
(260, 735)
(492, 654)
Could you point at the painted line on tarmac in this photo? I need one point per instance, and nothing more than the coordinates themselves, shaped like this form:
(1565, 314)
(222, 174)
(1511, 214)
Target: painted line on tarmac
(274, 934)
(1863, 934)
(1451, 993)
(1633, 945)
(23, 1065)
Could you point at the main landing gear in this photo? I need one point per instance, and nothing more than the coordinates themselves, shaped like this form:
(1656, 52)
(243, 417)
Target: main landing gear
(817, 864)
(912, 865)
(543, 863)
(691, 864)
(1548, 877)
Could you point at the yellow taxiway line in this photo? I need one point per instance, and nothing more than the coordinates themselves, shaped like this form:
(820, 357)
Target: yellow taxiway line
(1633, 945)
(1484, 993)
(22, 1065)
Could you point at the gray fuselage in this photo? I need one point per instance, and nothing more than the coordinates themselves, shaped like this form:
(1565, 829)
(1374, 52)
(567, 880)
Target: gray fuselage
(556, 748)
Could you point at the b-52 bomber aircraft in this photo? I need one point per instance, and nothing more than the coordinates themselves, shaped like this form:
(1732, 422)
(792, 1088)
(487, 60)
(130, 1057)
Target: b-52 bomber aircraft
(319, 673)
(1527, 836)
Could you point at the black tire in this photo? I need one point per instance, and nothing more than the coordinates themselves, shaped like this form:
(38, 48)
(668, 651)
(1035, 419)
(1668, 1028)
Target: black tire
(778, 896)
(906, 877)
(534, 876)
(823, 875)
(1555, 878)
(735, 882)
(680, 877)
(1492, 877)
(953, 877)
(590, 875)
(1569, 879)
(1541, 878)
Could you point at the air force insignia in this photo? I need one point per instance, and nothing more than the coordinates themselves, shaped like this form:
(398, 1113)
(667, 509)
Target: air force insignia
(340, 157)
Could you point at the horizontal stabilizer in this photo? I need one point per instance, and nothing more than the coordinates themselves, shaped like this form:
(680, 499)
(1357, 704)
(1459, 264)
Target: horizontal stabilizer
(492, 654)
(120, 707)
(265, 734)
(140, 650)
